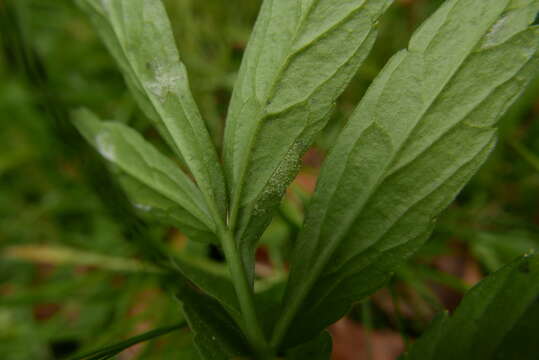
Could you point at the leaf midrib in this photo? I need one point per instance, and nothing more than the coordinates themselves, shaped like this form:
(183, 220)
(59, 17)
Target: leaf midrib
(416, 203)
(193, 210)
(401, 146)
(263, 103)
(208, 191)
(467, 114)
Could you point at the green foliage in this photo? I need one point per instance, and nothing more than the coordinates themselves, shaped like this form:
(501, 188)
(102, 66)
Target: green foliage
(491, 322)
(139, 36)
(112, 350)
(424, 127)
(300, 58)
(317, 348)
(155, 183)
(407, 157)
(216, 335)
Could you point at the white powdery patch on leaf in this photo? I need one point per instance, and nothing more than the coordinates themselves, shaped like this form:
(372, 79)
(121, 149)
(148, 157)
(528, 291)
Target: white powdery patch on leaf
(492, 38)
(164, 80)
(143, 207)
(106, 146)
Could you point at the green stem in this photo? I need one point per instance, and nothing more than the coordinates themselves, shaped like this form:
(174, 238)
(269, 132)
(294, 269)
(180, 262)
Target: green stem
(244, 291)
(245, 295)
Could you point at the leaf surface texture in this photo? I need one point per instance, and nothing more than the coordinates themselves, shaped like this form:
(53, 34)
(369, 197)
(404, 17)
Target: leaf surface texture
(423, 129)
(154, 183)
(300, 58)
(139, 36)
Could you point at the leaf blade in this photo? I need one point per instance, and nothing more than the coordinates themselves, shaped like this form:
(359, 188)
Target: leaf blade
(318, 349)
(216, 335)
(300, 58)
(160, 184)
(496, 319)
(216, 285)
(112, 350)
(139, 36)
(406, 157)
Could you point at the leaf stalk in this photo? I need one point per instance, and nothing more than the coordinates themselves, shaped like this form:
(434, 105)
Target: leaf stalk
(245, 294)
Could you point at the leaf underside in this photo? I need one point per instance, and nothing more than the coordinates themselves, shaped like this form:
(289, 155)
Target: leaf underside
(300, 58)
(139, 36)
(423, 129)
(155, 184)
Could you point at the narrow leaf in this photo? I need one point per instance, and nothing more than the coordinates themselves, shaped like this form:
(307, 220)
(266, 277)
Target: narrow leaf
(497, 319)
(139, 36)
(152, 205)
(300, 58)
(423, 129)
(154, 183)
(109, 351)
(63, 255)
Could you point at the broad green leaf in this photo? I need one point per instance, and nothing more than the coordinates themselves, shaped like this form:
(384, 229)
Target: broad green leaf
(216, 335)
(138, 34)
(497, 319)
(154, 182)
(301, 56)
(423, 129)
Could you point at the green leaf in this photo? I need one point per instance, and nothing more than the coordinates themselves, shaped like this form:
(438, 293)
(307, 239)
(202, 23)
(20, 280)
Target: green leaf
(151, 204)
(317, 349)
(155, 184)
(497, 319)
(423, 129)
(216, 335)
(139, 36)
(300, 58)
(216, 284)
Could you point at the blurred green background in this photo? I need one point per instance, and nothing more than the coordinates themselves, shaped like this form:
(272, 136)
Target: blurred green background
(72, 253)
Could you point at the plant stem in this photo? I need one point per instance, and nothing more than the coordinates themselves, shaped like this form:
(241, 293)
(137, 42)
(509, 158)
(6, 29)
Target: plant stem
(244, 291)
(245, 295)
